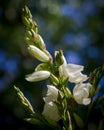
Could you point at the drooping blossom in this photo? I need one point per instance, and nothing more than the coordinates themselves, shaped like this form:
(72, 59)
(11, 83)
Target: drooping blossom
(81, 93)
(50, 110)
(72, 72)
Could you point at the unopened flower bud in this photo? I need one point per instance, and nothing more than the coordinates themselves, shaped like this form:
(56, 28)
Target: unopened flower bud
(28, 41)
(42, 66)
(37, 39)
(38, 54)
(29, 34)
(24, 100)
(58, 55)
(41, 42)
(38, 76)
(26, 21)
(54, 79)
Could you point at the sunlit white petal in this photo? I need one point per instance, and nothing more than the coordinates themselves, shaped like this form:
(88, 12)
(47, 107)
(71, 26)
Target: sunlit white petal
(72, 71)
(81, 93)
(50, 109)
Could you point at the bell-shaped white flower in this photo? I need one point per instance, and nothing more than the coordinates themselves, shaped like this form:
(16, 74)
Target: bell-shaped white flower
(50, 110)
(38, 54)
(72, 71)
(38, 76)
(81, 93)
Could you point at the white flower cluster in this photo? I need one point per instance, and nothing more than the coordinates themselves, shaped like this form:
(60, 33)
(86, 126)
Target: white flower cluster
(70, 71)
(60, 102)
(73, 73)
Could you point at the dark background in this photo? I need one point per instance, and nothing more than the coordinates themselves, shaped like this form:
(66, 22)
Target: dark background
(75, 26)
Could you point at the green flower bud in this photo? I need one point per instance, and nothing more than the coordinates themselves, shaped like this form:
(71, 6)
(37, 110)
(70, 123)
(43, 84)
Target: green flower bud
(36, 39)
(68, 93)
(26, 22)
(24, 100)
(26, 12)
(41, 42)
(42, 66)
(54, 79)
(28, 41)
(29, 34)
(58, 55)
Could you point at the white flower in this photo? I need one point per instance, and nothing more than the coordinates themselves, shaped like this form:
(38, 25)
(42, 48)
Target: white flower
(72, 71)
(50, 109)
(39, 54)
(38, 76)
(81, 93)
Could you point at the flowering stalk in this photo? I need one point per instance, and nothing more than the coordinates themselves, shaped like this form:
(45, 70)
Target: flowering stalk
(61, 103)
(58, 97)
(36, 45)
(24, 100)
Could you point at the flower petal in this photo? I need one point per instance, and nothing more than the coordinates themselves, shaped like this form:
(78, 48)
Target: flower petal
(52, 94)
(72, 71)
(86, 101)
(75, 68)
(77, 77)
(50, 110)
(81, 93)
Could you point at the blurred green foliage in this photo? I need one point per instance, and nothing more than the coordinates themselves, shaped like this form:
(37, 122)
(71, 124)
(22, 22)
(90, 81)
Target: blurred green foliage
(76, 27)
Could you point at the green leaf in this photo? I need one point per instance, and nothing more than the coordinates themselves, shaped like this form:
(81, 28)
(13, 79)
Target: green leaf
(78, 120)
(95, 78)
(101, 125)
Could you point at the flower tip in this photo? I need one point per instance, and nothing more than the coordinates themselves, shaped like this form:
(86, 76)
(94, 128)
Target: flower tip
(37, 76)
(37, 53)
